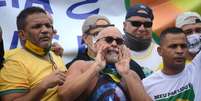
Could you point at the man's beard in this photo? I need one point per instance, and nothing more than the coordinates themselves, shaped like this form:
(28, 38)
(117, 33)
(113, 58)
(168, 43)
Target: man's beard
(112, 57)
(136, 44)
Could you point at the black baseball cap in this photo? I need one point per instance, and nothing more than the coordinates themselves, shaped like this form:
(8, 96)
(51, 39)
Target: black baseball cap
(140, 10)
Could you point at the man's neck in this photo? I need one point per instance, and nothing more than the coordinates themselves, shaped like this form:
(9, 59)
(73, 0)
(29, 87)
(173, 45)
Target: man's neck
(45, 57)
(172, 70)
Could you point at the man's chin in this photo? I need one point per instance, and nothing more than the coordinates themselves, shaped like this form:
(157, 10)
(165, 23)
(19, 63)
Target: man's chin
(45, 45)
(112, 58)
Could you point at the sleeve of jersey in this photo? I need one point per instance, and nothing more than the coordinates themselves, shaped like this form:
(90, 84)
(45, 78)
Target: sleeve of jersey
(13, 78)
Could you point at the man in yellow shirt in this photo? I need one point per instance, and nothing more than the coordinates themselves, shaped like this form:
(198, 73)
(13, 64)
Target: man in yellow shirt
(33, 72)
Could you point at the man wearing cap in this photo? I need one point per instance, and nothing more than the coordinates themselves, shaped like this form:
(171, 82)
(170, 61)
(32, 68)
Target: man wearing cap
(1, 49)
(138, 37)
(90, 28)
(190, 23)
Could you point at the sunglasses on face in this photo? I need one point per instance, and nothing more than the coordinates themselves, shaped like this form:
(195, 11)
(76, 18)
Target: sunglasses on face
(110, 39)
(146, 24)
(190, 31)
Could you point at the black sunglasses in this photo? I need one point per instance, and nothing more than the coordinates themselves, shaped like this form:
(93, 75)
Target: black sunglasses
(146, 24)
(190, 31)
(110, 39)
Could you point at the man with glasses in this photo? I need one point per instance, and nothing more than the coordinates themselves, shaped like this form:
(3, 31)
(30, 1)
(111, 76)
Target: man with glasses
(138, 37)
(90, 28)
(190, 23)
(108, 77)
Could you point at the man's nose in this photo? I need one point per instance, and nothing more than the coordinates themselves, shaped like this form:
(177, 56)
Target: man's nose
(180, 50)
(114, 42)
(141, 27)
(44, 29)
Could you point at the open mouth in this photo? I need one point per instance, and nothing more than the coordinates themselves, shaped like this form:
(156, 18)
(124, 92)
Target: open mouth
(180, 59)
(113, 50)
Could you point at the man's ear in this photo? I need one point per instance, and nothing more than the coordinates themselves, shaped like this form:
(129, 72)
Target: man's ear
(22, 35)
(84, 38)
(159, 50)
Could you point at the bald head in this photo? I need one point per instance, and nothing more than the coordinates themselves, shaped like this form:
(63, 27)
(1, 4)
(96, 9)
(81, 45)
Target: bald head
(110, 31)
(112, 40)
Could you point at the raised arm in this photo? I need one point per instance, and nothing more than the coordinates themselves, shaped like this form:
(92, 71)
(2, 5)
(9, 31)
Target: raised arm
(80, 76)
(132, 80)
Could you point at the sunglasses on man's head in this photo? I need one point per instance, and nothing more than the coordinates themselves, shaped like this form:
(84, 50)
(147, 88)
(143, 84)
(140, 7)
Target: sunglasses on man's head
(110, 39)
(190, 31)
(146, 24)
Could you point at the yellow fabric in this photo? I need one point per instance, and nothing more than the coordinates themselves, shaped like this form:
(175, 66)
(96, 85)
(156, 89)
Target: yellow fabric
(115, 78)
(34, 48)
(11, 52)
(23, 70)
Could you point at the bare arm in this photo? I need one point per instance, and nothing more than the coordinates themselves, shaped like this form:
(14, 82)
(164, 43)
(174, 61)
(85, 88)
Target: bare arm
(36, 93)
(131, 79)
(78, 80)
(135, 87)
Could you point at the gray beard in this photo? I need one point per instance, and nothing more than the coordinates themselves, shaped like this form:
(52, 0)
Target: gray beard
(111, 57)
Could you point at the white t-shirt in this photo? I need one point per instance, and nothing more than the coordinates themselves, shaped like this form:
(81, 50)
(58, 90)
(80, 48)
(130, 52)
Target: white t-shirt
(185, 86)
(148, 58)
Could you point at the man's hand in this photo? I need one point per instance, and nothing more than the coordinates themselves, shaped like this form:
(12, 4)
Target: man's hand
(57, 49)
(122, 65)
(57, 77)
(100, 57)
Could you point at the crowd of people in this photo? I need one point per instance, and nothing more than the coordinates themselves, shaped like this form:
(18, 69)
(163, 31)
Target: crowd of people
(111, 67)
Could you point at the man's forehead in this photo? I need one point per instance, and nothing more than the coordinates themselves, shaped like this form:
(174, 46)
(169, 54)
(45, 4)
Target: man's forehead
(174, 38)
(37, 17)
(109, 32)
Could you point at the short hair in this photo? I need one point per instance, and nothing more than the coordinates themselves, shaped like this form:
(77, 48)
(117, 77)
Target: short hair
(170, 30)
(21, 18)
